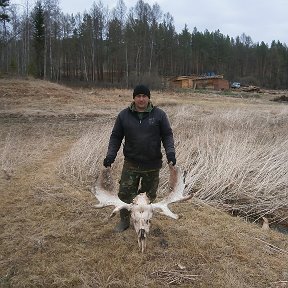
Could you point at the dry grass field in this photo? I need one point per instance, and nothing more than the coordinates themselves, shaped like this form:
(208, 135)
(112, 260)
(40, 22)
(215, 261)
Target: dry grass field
(52, 143)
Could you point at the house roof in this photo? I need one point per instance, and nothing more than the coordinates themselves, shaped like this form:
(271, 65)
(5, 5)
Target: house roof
(195, 77)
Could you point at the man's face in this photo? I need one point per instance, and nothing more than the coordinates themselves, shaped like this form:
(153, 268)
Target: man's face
(141, 102)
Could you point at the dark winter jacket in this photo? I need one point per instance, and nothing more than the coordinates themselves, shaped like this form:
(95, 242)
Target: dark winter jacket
(143, 134)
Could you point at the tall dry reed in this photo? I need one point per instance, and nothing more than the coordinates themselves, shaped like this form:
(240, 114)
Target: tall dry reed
(236, 159)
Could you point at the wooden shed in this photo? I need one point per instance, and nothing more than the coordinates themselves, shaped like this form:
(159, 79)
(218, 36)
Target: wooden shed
(181, 82)
(216, 82)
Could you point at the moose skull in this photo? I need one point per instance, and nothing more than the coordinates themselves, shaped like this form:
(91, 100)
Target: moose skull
(141, 208)
(141, 214)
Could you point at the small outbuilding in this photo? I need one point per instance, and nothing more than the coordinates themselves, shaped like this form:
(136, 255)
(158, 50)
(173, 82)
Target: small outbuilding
(216, 82)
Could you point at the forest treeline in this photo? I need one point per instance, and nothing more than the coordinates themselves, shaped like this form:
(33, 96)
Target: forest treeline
(120, 47)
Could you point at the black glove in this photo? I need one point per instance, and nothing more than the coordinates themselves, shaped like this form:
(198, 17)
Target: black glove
(171, 158)
(108, 161)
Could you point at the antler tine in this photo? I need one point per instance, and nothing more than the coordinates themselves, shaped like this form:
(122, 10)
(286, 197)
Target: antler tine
(103, 191)
(177, 185)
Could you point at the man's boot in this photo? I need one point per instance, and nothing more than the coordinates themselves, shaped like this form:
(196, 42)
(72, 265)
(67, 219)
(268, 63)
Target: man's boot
(124, 221)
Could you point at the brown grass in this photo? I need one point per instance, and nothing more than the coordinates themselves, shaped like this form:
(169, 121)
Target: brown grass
(52, 143)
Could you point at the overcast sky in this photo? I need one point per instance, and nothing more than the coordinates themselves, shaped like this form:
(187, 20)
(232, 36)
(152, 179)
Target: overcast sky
(262, 20)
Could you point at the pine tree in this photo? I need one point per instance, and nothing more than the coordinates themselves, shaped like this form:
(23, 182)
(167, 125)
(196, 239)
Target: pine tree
(39, 38)
(3, 16)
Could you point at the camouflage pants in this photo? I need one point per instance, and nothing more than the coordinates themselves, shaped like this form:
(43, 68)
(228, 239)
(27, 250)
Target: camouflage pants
(135, 181)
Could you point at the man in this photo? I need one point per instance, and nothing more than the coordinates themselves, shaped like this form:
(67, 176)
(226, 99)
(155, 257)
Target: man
(143, 128)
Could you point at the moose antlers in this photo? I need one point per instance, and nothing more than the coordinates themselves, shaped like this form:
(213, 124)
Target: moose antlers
(103, 191)
(177, 185)
(141, 208)
(104, 188)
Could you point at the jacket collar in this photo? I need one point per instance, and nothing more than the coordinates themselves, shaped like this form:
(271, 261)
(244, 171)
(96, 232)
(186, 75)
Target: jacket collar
(148, 109)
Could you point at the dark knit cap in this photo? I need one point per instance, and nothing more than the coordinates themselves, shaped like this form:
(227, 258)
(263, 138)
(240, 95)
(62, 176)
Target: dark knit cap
(141, 89)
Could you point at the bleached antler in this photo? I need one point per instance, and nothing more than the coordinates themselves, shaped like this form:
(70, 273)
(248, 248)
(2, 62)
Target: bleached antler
(141, 208)
(103, 191)
(177, 185)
